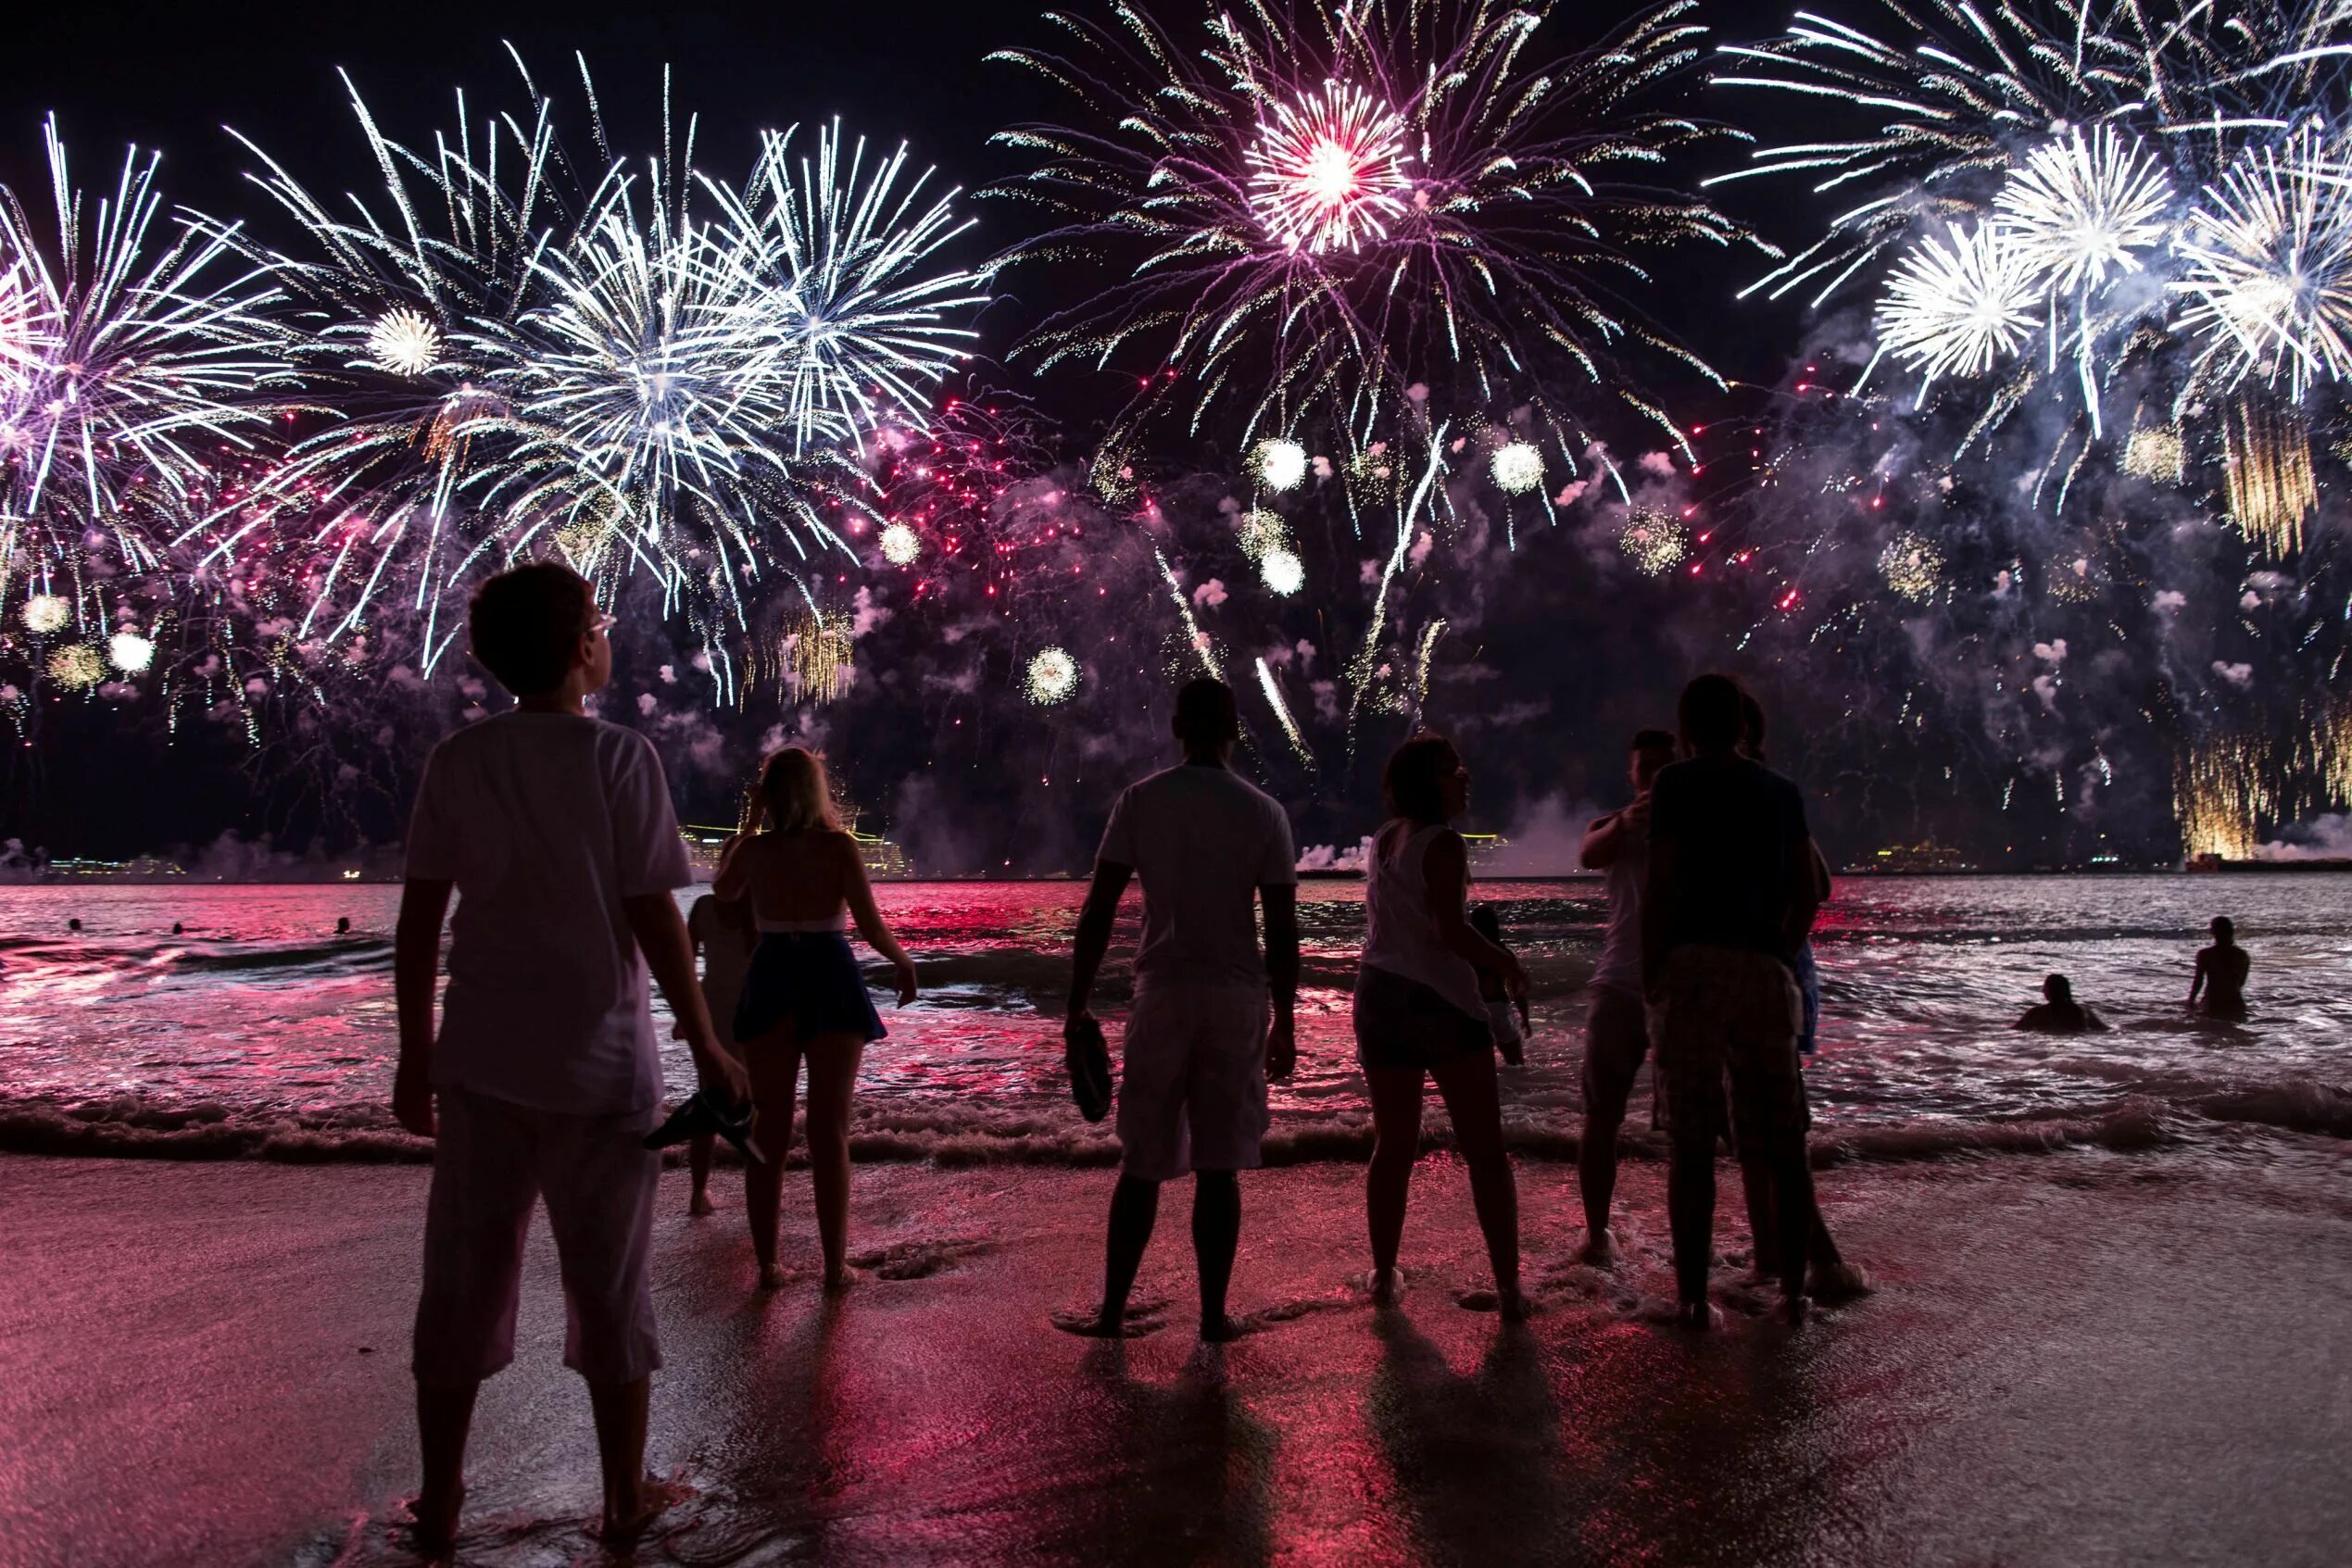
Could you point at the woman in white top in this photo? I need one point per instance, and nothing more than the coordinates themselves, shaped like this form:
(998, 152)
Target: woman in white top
(804, 995)
(1418, 1013)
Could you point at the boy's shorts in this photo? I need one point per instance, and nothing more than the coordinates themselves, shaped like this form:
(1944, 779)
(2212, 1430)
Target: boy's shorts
(1192, 1084)
(491, 1160)
(1616, 1039)
(1728, 1050)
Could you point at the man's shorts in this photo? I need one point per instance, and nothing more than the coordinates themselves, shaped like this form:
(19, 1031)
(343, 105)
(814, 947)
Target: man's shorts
(1192, 1084)
(1728, 1049)
(492, 1161)
(1617, 1038)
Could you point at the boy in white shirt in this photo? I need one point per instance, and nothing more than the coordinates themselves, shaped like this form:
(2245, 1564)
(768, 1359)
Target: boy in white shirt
(543, 1078)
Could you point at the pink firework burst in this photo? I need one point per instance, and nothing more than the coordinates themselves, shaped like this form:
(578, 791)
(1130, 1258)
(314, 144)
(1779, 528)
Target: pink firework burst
(1328, 171)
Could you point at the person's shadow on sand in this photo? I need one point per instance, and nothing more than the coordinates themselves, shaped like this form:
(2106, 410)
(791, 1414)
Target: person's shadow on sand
(1161, 1473)
(1476, 1459)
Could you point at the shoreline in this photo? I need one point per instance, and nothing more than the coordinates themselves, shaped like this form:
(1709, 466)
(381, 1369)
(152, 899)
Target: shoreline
(2063, 1363)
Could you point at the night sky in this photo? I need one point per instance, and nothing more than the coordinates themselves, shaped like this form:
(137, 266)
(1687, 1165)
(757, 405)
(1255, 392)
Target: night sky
(172, 77)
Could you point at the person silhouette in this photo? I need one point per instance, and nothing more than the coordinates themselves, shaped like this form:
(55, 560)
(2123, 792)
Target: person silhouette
(2220, 974)
(2059, 1013)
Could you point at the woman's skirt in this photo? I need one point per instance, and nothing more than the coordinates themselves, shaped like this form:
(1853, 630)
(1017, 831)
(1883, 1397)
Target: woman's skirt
(810, 979)
(1401, 1023)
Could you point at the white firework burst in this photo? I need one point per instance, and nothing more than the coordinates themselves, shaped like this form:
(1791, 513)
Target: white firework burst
(46, 613)
(1328, 171)
(1283, 572)
(130, 652)
(1281, 464)
(1958, 303)
(2270, 274)
(1053, 675)
(900, 545)
(404, 342)
(1518, 467)
(2079, 208)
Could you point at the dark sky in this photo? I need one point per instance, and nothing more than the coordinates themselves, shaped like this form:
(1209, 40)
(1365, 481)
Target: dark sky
(172, 76)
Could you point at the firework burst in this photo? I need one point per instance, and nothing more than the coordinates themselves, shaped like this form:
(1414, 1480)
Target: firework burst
(1958, 303)
(1328, 205)
(2269, 254)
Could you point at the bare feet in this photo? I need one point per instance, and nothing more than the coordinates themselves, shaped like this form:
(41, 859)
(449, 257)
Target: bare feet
(1104, 1323)
(1698, 1316)
(625, 1519)
(1386, 1286)
(435, 1523)
(772, 1276)
(1797, 1309)
(700, 1207)
(1600, 1248)
(1224, 1329)
(1841, 1281)
(1510, 1303)
(837, 1280)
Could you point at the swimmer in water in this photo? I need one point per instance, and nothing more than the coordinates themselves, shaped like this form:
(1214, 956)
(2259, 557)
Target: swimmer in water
(2220, 974)
(2059, 1013)
(175, 928)
(343, 926)
(74, 924)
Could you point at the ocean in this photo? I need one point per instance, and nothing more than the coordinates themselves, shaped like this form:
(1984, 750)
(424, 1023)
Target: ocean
(258, 1032)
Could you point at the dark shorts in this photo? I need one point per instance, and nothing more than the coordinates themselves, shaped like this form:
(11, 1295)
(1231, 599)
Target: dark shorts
(1728, 1050)
(1401, 1022)
(1616, 1039)
(810, 979)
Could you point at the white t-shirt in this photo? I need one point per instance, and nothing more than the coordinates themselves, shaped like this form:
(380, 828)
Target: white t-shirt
(546, 821)
(1619, 968)
(1202, 841)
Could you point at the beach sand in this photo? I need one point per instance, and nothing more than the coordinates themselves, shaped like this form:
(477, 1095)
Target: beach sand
(2082, 1358)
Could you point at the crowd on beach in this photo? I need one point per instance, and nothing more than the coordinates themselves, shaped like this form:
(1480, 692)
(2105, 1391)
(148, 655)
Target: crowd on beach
(537, 1074)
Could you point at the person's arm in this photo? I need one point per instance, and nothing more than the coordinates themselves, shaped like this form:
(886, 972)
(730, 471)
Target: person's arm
(1093, 939)
(1801, 899)
(1823, 884)
(661, 936)
(416, 960)
(2196, 981)
(733, 879)
(870, 925)
(1446, 868)
(1281, 899)
(1604, 838)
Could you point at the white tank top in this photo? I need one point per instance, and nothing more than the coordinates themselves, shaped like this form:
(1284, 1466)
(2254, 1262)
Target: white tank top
(1399, 936)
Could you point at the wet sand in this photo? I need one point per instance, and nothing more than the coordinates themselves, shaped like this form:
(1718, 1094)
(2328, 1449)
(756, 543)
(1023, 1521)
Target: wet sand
(2084, 1358)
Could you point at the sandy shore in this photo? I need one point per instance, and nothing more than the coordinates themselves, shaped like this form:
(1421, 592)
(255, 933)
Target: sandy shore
(2086, 1358)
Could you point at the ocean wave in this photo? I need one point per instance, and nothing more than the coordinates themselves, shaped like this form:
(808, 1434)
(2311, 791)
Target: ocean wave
(1052, 1134)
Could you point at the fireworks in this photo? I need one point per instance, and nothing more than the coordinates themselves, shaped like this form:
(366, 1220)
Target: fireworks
(2219, 791)
(2154, 453)
(1260, 532)
(1281, 464)
(1327, 171)
(1654, 540)
(900, 545)
(2270, 258)
(130, 652)
(1330, 205)
(1958, 303)
(1517, 467)
(1912, 565)
(46, 613)
(2083, 206)
(77, 666)
(1273, 691)
(1053, 675)
(1283, 572)
(404, 342)
(2267, 473)
(817, 656)
(133, 351)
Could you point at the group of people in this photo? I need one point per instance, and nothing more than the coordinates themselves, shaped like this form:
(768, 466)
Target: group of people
(536, 1072)
(2216, 990)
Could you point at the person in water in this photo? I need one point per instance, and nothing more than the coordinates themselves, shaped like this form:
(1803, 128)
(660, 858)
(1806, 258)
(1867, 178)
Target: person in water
(1201, 1040)
(804, 997)
(542, 1077)
(1617, 1032)
(724, 935)
(1419, 1015)
(1729, 898)
(2220, 974)
(343, 925)
(2059, 1013)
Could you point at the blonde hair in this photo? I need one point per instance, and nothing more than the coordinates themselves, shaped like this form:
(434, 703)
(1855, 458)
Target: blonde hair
(799, 795)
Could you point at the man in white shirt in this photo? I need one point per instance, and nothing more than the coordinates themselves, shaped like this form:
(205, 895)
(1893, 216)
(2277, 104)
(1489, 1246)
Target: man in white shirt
(1199, 1050)
(543, 1078)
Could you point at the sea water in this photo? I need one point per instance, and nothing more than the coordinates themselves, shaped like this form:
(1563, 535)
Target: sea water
(257, 1030)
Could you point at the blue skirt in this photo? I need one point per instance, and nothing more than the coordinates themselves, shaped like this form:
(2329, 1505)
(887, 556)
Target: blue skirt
(810, 979)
